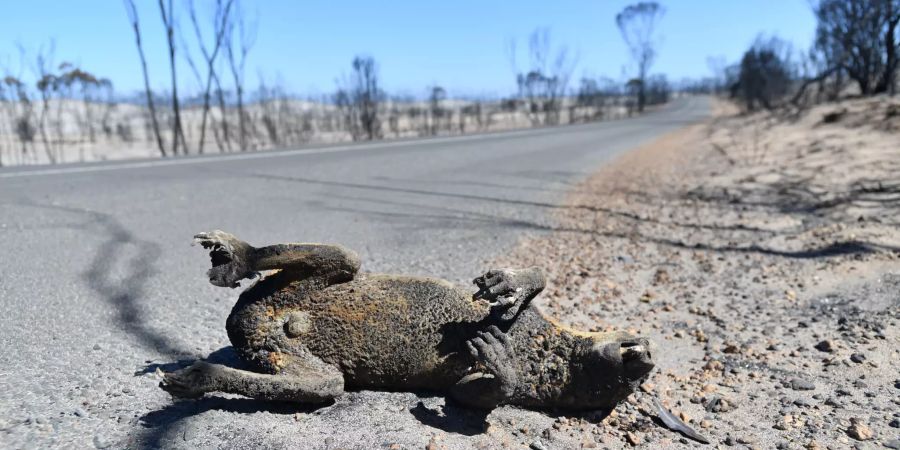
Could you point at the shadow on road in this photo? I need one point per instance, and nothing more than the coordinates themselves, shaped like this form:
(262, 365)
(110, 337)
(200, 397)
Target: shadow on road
(452, 419)
(162, 424)
(479, 183)
(167, 423)
(125, 293)
(459, 218)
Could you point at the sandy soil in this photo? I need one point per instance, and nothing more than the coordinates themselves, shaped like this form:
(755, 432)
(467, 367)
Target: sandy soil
(760, 254)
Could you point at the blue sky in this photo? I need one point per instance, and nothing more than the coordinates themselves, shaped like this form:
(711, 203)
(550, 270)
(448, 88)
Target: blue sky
(460, 45)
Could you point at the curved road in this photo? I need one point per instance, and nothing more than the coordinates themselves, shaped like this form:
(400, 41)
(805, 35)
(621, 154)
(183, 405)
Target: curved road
(99, 286)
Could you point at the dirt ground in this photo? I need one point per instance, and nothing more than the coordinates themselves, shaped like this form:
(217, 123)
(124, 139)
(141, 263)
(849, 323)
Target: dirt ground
(760, 254)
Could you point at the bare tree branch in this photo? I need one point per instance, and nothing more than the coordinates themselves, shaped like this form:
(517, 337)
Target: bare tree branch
(220, 28)
(637, 23)
(168, 17)
(135, 24)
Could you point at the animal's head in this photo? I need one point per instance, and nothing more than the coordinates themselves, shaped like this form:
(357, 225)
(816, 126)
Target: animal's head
(615, 364)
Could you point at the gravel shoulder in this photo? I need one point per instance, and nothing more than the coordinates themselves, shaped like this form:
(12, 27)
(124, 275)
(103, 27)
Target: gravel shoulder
(760, 254)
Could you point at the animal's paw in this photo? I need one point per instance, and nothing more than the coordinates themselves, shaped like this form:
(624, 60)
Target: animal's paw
(497, 286)
(509, 289)
(494, 353)
(229, 257)
(190, 382)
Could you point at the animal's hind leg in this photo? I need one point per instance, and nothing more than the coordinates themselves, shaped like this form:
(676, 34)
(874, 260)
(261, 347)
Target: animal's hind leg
(233, 259)
(303, 380)
(510, 290)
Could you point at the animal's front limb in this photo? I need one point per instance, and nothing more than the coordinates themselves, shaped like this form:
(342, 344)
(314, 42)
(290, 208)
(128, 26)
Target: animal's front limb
(234, 259)
(494, 380)
(303, 383)
(509, 289)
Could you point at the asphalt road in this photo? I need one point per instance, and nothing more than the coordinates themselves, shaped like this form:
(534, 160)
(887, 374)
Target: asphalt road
(99, 286)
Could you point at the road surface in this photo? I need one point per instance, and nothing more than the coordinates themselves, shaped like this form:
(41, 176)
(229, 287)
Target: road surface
(99, 286)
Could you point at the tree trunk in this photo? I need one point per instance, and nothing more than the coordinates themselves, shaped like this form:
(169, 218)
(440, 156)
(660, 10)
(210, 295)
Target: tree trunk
(220, 95)
(137, 37)
(886, 82)
(169, 22)
(241, 123)
(42, 123)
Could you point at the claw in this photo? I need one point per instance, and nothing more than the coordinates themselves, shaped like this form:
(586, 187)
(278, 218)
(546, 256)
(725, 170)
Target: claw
(228, 257)
(190, 382)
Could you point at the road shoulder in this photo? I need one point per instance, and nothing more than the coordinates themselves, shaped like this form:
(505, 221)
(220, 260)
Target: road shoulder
(760, 254)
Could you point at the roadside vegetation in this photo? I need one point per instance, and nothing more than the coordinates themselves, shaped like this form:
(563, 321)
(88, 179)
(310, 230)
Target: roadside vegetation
(854, 55)
(53, 111)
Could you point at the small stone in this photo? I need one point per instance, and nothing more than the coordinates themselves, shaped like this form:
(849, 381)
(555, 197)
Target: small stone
(799, 384)
(718, 404)
(813, 445)
(803, 402)
(536, 445)
(395, 447)
(894, 423)
(625, 259)
(632, 438)
(825, 346)
(700, 336)
(858, 358)
(661, 277)
(860, 431)
(731, 348)
(893, 443)
(785, 423)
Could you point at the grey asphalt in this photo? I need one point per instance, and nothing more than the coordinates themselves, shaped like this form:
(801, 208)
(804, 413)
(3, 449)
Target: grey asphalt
(99, 286)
